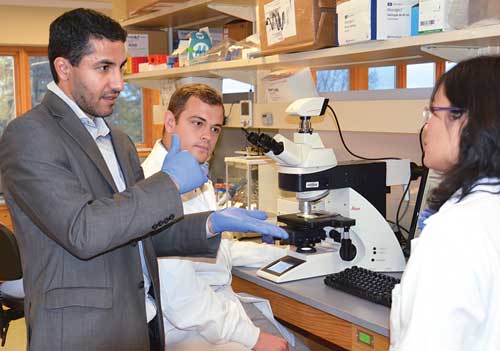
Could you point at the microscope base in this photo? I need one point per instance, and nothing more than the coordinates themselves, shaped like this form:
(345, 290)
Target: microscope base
(326, 260)
(295, 266)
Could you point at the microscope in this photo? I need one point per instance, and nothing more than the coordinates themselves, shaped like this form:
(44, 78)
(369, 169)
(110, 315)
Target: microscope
(350, 229)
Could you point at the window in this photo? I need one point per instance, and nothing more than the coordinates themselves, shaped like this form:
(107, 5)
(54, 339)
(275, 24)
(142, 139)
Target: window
(40, 76)
(7, 91)
(332, 80)
(449, 65)
(400, 76)
(381, 77)
(128, 113)
(420, 75)
(235, 86)
(20, 91)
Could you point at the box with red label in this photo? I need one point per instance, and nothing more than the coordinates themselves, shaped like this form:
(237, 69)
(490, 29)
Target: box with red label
(157, 59)
(136, 61)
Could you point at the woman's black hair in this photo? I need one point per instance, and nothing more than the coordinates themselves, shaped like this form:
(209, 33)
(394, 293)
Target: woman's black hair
(473, 85)
(70, 33)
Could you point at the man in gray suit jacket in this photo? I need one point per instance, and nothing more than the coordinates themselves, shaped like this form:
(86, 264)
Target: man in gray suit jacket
(87, 222)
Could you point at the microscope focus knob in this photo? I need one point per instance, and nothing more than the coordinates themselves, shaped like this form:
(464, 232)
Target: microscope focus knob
(347, 250)
(335, 235)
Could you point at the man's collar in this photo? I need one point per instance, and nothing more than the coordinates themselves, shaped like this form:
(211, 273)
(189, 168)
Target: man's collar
(96, 125)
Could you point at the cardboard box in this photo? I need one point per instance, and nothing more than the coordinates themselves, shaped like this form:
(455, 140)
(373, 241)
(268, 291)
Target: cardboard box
(238, 30)
(141, 7)
(296, 25)
(362, 20)
(157, 40)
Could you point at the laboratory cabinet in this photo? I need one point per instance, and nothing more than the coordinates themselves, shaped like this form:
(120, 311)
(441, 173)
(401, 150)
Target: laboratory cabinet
(5, 216)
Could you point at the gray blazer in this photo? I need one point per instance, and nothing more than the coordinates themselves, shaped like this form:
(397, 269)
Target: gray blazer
(78, 235)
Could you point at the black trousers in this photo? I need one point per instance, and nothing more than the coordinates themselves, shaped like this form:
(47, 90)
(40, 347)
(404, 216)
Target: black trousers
(154, 335)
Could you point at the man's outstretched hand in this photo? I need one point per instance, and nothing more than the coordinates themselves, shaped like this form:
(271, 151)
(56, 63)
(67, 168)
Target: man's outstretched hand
(240, 220)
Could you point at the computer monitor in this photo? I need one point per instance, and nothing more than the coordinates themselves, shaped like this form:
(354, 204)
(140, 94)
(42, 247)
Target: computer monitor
(428, 181)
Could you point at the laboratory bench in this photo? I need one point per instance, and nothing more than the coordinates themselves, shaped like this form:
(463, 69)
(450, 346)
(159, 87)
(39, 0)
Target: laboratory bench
(337, 317)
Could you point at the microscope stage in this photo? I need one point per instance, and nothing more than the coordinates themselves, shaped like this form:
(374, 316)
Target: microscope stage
(315, 220)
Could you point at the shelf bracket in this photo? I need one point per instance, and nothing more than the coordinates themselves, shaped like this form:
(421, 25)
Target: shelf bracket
(245, 12)
(459, 53)
(155, 84)
(246, 76)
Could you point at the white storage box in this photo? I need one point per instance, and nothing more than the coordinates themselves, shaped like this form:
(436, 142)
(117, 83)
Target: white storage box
(289, 85)
(442, 15)
(433, 16)
(362, 20)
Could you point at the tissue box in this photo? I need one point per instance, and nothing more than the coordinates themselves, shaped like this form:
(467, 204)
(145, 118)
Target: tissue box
(362, 20)
(299, 25)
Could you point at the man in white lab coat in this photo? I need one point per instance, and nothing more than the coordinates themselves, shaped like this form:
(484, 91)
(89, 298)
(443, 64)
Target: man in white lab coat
(198, 303)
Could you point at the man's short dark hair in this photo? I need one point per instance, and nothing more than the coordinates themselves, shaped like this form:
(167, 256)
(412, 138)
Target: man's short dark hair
(70, 34)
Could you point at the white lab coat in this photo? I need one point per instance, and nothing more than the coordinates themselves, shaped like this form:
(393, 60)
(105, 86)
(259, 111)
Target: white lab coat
(449, 296)
(200, 305)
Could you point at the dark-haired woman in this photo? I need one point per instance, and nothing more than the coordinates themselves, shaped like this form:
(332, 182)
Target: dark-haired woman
(449, 296)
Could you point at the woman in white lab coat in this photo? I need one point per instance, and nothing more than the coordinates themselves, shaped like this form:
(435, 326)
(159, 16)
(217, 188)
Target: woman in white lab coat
(449, 296)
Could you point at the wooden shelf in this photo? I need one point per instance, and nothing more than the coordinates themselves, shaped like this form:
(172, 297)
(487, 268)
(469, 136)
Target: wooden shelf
(195, 13)
(373, 53)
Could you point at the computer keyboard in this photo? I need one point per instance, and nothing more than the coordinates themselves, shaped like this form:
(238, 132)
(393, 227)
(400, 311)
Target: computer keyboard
(364, 283)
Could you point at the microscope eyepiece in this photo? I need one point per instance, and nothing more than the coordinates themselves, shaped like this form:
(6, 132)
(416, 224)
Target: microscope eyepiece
(265, 142)
(269, 144)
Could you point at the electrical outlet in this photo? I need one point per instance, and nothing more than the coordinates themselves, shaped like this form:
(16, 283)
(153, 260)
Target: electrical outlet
(246, 113)
(267, 119)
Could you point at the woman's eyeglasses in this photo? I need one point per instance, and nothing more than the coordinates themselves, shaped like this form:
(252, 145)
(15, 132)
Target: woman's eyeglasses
(455, 112)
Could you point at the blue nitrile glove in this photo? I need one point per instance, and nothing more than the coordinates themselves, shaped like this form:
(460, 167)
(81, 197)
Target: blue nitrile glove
(204, 168)
(183, 168)
(240, 220)
(268, 239)
(426, 213)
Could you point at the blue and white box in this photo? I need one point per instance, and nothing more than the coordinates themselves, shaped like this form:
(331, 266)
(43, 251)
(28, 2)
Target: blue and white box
(199, 43)
(362, 20)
